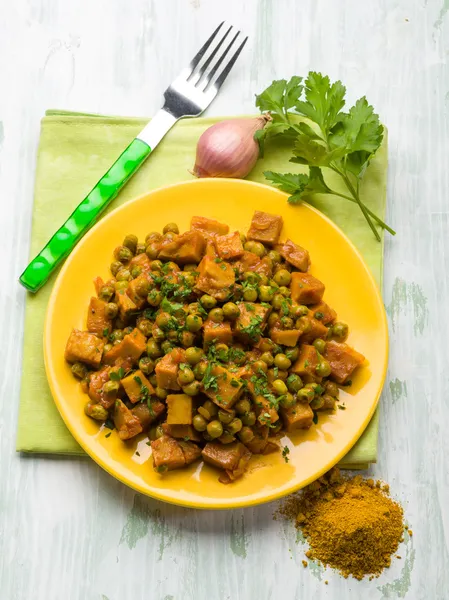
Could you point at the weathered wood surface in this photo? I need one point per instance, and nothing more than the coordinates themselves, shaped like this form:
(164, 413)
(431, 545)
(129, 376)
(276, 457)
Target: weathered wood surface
(67, 529)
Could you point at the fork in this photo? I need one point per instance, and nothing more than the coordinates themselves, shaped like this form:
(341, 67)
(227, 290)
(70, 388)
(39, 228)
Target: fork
(187, 96)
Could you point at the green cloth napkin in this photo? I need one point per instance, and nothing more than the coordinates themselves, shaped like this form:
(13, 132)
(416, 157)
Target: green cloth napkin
(75, 150)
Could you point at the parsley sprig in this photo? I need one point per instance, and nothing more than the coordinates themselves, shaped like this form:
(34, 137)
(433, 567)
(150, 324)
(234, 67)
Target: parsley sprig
(344, 142)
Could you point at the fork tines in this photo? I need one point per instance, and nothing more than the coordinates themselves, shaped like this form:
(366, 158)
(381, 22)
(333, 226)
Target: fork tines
(209, 66)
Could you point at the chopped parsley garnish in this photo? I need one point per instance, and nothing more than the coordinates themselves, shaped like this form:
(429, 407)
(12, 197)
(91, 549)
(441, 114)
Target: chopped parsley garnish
(341, 406)
(117, 375)
(172, 308)
(106, 332)
(315, 417)
(285, 453)
(108, 434)
(210, 380)
(253, 330)
(319, 315)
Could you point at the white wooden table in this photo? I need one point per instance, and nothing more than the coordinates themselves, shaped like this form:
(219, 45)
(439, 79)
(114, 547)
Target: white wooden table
(67, 529)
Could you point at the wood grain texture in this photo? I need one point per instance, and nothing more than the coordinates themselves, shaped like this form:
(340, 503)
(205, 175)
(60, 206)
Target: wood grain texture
(68, 530)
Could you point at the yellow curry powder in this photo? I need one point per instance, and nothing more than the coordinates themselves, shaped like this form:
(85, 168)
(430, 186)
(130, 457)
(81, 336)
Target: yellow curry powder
(351, 524)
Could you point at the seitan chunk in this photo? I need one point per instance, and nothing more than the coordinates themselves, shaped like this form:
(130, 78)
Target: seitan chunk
(84, 347)
(142, 261)
(137, 386)
(265, 228)
(128, 424)
(148, 412)
(186, 248)
(224, 457)
(285, 337)
(95, 391)
(217, 332)
(132, 346)
(167, 369)
(299, 416)
(229, 246)
(216, 278)
(179, 409)
(142, 282)
(306, 289)
(251, 321)
(125, 305)
(307, 361)
(295, 255)
(325, 313)
(343, 360)
(169, 454)
(183, 432)
(314, 329)
(260, 440)
(209, 225)
(97, 321)
(265, 411)
(221, 386)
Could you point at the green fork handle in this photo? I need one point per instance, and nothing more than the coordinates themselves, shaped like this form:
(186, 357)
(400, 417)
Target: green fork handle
(84, 216)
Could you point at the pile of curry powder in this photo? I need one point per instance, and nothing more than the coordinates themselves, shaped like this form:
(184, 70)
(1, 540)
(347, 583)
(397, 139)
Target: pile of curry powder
(351, 524)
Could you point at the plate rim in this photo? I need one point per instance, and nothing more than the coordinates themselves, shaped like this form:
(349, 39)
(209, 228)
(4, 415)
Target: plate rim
(214, 504)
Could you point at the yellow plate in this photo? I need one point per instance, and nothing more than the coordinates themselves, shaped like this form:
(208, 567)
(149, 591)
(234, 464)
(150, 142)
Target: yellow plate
(350, 289)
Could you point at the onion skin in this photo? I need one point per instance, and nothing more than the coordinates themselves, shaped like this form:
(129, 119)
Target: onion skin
(228, 148)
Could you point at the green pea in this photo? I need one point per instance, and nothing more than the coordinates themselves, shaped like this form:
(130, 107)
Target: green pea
(192, 389)
(214, 429)
(210, 408)
(106, 293)
(273, 319)
(152, 434)
(123, 275)
(231, 311)
(287, 322)
(279, 387)
(156, 265)
(294, 383)
(140, 249)
(111, 387)
(266, 345)
(292, 353)
(152, 378)
(328, 402)
(187, 339)
(317, 403)
(115, 267)
(107, 348)
(216, 315)
(154, 236)
(226, 416)
(275, 256)
(96, 411)
(282, 277)
(143, 287)
(226, 438)
(251, 277)
(320, 345)
(152, 250)
(242, 406)
(258, 366)
(266, 293)
(131, 242)
(166, 346)
(194, 323)
(246, 435)
(303, 324)
(282, 362)
(159, 431)
(340, 330)
(284, 290)
(161, 393)
(79, 370)
(323, 369)
(250, 295)
(287, 401)
(171, 228)
(267, 358)
(154, 298)
(200, 370)
(249, 246)
(190, 267)
(153, 349)
(145, 326)
(234, 426)
(331, 388)
(123, 254)
(199, 423)
(117, 335)
(136, 271)
(185, 376)
(146, 365)
(249, 418)
(194, 355)
(306, 394)
(278, 301)
(259, 249)
(207, 301)
(158, 334)
(163, 319)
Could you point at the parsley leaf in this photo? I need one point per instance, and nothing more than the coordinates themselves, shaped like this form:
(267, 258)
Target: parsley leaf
(285, 452)
(310, 114)
(117, 375)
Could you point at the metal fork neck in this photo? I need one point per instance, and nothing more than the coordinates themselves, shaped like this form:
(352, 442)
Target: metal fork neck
(152, 134)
